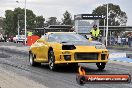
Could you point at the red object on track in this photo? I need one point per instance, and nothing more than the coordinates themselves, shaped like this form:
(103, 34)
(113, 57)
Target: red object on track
(31, 40)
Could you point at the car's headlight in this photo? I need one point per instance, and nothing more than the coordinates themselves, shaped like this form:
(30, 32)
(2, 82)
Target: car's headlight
(100, 46)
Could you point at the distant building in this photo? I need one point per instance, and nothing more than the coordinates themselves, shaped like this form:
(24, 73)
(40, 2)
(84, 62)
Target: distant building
(53, 28)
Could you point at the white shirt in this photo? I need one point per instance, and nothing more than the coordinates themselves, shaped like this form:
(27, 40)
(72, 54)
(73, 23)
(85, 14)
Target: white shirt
(119, 40)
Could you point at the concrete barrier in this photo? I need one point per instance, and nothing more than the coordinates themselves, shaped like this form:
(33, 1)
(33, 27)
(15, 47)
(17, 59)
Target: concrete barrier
(117, 55)
(129, 55)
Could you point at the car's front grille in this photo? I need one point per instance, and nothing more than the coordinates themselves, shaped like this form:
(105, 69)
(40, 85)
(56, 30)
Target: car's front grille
(86, 56)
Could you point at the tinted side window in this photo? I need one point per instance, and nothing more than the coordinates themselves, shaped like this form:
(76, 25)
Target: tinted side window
(51, 38)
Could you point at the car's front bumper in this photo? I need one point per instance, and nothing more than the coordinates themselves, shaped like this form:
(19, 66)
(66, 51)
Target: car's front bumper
(81, 61)
(83, 57)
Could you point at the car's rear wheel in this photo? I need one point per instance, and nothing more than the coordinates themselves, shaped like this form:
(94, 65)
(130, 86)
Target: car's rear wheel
(31, 60)
(51, 58)
(101, 66)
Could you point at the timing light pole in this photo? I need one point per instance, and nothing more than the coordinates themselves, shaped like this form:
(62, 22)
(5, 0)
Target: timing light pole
(25, 24)
(107, 27)
(18, 29)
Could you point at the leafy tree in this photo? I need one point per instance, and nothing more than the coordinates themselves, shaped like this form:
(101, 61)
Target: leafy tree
(52, 21)
(1, 24)
(39, 21)
(30, 19)
(19, 14)
(12, 17)
(9, 22)
(116, 15)
(67, 20)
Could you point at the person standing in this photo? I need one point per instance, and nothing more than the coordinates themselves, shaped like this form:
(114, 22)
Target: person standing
(130, 40)
(95, 32)
(126, 40)
(1, 37)
(119, 40)
(5, 38)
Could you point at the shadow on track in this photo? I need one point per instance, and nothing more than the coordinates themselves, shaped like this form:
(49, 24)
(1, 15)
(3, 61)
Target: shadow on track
(69, 69)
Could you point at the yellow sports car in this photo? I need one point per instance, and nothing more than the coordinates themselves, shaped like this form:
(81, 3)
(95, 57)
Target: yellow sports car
(70, 48)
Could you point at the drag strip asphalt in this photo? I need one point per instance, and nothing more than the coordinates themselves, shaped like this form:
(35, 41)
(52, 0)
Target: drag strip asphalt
(65, 77)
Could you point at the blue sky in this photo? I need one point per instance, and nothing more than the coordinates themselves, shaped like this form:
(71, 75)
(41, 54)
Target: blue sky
(48, 8)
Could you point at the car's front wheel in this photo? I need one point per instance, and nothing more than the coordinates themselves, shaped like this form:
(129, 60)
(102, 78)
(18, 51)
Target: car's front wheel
(52, 65)
(101, 66)
(31, 60)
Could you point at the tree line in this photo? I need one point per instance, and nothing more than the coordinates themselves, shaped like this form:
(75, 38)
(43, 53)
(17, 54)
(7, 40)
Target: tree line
(12, 17)
(10, 25)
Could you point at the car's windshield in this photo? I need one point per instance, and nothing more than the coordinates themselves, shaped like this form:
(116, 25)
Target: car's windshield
(67, 37)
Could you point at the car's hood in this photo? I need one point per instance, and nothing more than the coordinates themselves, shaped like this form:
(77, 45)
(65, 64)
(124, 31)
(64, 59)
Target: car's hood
(82, 43)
